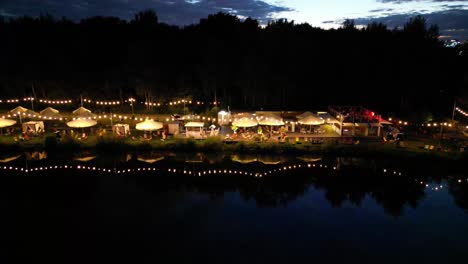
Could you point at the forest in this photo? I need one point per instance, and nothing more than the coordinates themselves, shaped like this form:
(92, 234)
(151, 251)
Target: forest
(283, 65)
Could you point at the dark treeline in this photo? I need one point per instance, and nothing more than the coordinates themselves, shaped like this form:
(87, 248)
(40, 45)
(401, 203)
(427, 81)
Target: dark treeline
(280, 66)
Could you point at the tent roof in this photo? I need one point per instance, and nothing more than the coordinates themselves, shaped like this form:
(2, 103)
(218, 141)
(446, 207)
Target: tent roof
(50, 112)
(6, 122)
(271, 120)
(22, 111)
(81, 123)
(149, 125)
(245, 122)
(83, 113)
(311, 120)
(194, 124)
(34, 123)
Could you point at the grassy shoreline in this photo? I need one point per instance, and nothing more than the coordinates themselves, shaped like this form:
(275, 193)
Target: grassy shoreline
(109, 144)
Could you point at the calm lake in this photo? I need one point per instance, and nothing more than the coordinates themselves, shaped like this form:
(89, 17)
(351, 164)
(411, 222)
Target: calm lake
(215, 208)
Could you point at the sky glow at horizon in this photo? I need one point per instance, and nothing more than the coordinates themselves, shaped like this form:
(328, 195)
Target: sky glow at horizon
(450, 15)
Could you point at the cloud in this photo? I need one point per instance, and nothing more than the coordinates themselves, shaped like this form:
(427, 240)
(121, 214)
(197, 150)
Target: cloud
(406, 1)
(176, 12)
(381, 10)
(453, 23)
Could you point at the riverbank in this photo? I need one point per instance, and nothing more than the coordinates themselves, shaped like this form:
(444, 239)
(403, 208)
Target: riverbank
(110, 144)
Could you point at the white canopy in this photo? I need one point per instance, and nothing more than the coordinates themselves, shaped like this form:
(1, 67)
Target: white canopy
(194, 124)
(6, 122)
(82, 112)
(271, 120)
(34, 126)
(81, 123)
(23, 111)
(50, 113)
(245, 122)
(149, 125)
(311, 120)
(121, 129)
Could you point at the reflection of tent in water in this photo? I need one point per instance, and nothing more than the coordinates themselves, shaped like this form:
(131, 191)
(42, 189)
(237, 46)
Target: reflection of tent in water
(214, 157)
(84, 158)
(8, 159)
(197, 158)
(309, 158)
(244, 159)
(149, 158)
(121, 129)
(36, 155)
(270, 160)
(34, 127)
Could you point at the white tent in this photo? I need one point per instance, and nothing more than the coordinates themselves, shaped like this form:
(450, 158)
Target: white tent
(223, 117)
(81, 123)
(195, 130)
(121, 129)
(82, 112)
(33, 126)
(6, 122)
(149, 125)
(23, 111)
(271, 120)
(194, 124)
(312, 120)
(245, 122)
(50, 113)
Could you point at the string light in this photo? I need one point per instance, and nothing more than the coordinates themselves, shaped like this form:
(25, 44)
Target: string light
(9, 101)
(461, 111)
(57, 102)
(107, 102)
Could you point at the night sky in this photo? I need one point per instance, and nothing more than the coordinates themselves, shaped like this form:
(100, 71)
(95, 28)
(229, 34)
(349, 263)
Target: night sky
(451, 16)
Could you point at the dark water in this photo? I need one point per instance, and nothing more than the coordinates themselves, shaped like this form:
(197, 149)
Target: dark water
(221, 209)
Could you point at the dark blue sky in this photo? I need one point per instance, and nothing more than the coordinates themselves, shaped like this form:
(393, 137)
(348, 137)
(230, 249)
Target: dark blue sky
(452, 16)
